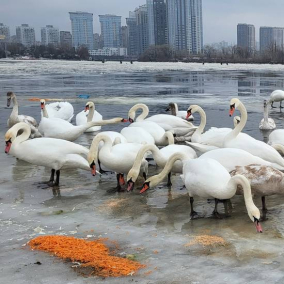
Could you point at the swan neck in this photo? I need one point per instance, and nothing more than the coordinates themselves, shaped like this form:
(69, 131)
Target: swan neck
(15, 111)
(144, 114)
(44, 112)
(201, 126)
(24, 135)
(265, 114)
(94, 149)
(239, 127)
(169, 137)
(91, 114)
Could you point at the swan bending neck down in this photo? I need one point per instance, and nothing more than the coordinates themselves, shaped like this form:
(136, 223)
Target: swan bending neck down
(266, 123)
(61, 129)
(173, 108)
(118, 158)
(209, 179)
(48, 152)
(142, 116)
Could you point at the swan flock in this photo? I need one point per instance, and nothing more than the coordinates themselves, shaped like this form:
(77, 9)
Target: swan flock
(214, 164)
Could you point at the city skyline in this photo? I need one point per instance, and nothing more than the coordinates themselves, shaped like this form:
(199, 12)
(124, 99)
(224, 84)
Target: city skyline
(217, 15)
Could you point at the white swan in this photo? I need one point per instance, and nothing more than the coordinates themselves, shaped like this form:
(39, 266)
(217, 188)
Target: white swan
(16, 118)
(230, 158)
(88, 115)
(118, 158)
(266, 123)
(55, 154)
(161, 137)
(63, 110)
(161, 157)
(207, 178)
(264, 181)
(173, 108)
(62, 129)
(178, 126)
(137, 135)
(276, 96)
(276, 140)
(238, 140)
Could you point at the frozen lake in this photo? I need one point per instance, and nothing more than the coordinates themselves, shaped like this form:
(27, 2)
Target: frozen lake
(154, 227)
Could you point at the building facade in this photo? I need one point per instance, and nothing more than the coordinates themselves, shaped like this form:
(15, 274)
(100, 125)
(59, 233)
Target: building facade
(25, 35)
(50, 35)
(4, 32)
(110, 30)
(124, 36)
(246, 37)
(271, 38)
(82, 29)
(185, 25)
(132, 34)
(142, 28)
(96, 41)
(65, 38)
(109, 51)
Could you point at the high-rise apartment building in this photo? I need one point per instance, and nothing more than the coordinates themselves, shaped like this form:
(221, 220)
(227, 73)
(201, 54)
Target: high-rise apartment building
(82, 29)
(271, 38)
(96, 41)
(142, 28)
(50, 35)
(110, 30)
(5, 32)
(25, 35)
(132, 32)
(185, 25)
(246, 37)
(124, 36)
(65, 38)
(157, 22)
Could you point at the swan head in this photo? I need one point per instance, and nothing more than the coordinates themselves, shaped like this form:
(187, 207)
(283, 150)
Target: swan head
(234, 103)
(42, 103)
(149, 183)
(89, 105)
(92, 164)
(11, 135)
(132, 111)
(254, 215)
(10, 96)
(131, 179)
(192, 109)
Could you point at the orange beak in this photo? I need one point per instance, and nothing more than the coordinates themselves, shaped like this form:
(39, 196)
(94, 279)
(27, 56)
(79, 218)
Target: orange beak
(232, 110)
(8, 147)
(42, 105)
(258, 227)
(188, 114)
(124, 120)
(145, 188)
(94, 172)
(121, 179)
(86, 108)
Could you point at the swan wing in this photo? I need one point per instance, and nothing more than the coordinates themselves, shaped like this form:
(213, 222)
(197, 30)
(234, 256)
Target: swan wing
(202, 148)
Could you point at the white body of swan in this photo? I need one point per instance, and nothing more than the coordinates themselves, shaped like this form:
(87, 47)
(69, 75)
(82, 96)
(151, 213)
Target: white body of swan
(178, 126)
(276, 137)
(62, 129)
(118, 158)
(276, 96)
(207, 178)
(161, 157)
(115, 137)
(55, 154)
(266, 123)
(137, 135)
(16, 118)
(173, 108)
(63, 110)
(88, 115)
(230, 158)
(161, 137)
(238, 140)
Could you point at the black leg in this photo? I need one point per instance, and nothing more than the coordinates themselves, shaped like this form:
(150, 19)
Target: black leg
(215, 212)
(101, 170)
(192, 212)
(264, 208)
(169, 179)
(57, 178)
(227, 207)
(272, 105)
(118, 187)
(144, 176)
(51, 180)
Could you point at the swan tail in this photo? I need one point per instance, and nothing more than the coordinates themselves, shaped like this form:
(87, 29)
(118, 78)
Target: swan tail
(201, 147)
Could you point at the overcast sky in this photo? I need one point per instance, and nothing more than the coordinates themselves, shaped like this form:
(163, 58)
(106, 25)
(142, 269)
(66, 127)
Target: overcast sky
(220, 17)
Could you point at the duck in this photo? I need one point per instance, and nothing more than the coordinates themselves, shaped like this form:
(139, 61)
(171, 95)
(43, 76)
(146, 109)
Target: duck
(176, 125)
(62, 129)
(117, 158)
(266, 123)
(16, 118)
(55, 154)
(243, 141)
(276, 96)
(264, 181)
(173, 108)
(161, 157)
(161, 137)
(207, 178)
(63, 110)
(88, 115)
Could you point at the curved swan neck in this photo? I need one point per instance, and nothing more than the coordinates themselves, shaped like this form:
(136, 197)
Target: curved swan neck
(241, 180)
(94, 149)
(144, 114)
(169, 137)
(244, 116)
(202, 125)
(169, 165)
(91, 114)
(24, 135)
